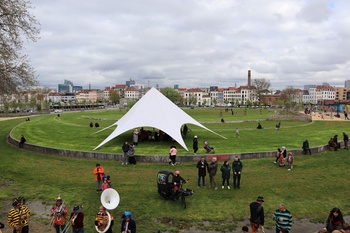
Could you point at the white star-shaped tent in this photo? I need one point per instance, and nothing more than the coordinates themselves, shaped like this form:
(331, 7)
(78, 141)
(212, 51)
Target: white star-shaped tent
(157, 111)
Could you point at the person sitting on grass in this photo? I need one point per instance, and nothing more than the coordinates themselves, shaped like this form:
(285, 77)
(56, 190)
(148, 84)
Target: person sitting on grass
(259, 126)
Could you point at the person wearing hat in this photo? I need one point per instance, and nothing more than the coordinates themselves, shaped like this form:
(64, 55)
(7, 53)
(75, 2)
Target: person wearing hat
(195, 144)
(18, 216)
(77, 219)
(58, 213)
(128, 223)
(257, 217)
(104, 220)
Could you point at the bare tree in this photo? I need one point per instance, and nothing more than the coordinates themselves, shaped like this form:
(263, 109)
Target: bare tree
(16, 23)
(260, 86)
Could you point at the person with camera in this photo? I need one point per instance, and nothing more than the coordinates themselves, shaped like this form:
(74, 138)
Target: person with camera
(18, 216)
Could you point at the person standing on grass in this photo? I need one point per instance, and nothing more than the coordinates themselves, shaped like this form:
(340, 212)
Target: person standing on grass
(135, 137)
(346, 141)
(203, 167)
(290, 160)
(226, 174)
(257, 217)
(131, 154)
(237, 167)
(278, 154)
(172, 153)
(98, 172)
(77, 219)
(125, 148)
(213, 167)
(18, 216)
(283, 219)
(237, 133)
(59, 213)
(195, 144)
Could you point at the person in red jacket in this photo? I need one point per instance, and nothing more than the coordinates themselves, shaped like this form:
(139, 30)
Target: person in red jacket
(99, 171)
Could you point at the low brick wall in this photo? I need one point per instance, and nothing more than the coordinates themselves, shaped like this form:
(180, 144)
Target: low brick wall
(151, 158)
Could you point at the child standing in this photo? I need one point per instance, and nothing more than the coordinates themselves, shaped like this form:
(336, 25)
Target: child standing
(105, 185)
(226, 173)
(278, 154)
(290, 161)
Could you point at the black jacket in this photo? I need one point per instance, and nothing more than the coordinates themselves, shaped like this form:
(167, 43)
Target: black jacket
(257, 213)
(202, 171)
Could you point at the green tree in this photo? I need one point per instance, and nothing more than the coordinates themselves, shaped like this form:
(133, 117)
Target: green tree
(260, 86)
(16, 24)
(172, 95)
(114, 97)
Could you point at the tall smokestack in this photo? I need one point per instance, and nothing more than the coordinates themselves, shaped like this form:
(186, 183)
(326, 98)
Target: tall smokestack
(249, 79)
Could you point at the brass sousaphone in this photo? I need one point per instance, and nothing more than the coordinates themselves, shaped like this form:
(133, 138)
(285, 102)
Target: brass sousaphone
(110, 200)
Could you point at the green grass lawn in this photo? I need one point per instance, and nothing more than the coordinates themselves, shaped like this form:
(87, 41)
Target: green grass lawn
(317, 183)
(72, 131)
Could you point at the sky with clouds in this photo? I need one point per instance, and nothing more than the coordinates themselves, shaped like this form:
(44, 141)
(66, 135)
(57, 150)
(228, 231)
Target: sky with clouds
(192, 43)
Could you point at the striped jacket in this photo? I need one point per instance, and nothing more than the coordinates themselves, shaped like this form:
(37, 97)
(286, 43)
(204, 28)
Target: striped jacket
(283, 219)
(14, 216)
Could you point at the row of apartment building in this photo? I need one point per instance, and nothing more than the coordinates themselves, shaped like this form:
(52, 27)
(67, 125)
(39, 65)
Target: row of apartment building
(210, 96)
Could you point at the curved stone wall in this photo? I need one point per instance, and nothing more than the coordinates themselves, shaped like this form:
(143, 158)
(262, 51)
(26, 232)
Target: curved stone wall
(150, 158)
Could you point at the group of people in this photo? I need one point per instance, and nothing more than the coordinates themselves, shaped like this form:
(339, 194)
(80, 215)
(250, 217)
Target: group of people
(205, 168)
(334, 145)
(103, 181)
(62, 219)
(128, 153)
(283, 158)
(282, 217)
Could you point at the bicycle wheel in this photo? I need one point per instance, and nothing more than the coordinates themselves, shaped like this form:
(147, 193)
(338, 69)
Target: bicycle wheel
(183, 200)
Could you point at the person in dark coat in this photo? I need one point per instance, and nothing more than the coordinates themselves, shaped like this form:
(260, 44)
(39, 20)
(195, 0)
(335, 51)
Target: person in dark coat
(226, 173)
(195, 144)
(237, 167)
(346, 140)
(256, 214)
(203, 168)
(306, 147)
(22, 140)
(128, 223)
(125, 148)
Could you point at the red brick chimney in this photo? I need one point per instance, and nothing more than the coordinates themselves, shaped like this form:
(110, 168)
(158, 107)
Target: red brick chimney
(249, 79)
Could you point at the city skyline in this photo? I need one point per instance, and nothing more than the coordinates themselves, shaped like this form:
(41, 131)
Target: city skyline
(191, 43)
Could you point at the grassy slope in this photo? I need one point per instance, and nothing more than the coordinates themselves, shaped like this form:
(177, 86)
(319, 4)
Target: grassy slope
(317, 184)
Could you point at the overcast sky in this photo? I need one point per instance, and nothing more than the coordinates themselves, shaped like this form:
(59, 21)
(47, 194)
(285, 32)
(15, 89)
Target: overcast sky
(192, 43)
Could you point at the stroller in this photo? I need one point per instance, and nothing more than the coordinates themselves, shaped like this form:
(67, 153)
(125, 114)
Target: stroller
(208, 148)
(166, 190)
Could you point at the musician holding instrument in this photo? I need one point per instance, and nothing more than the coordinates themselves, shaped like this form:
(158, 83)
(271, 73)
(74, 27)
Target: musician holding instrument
(18, 216)
(77, 220)
(104, 220)
(58, 213)
(128, 223)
